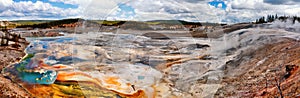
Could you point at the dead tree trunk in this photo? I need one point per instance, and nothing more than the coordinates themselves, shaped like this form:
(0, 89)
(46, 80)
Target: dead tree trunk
(279, 88)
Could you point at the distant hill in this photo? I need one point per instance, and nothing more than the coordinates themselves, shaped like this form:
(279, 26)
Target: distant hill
(63, 23)
(182, 22)
(30, 22)
(144, 25)
(108, 23)
(47, 24)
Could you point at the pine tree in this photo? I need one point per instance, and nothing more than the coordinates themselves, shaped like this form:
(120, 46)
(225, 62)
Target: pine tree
(272, 18)
(268, 18)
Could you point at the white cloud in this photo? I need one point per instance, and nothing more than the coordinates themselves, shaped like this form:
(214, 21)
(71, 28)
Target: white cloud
(10, 13)
(73, 2)
(170, 9)
(38, 9)
(249, 10)
(101, 9)
(4, 4)
(220, 5)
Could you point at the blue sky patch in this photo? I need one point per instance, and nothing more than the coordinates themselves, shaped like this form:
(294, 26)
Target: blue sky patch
(215, 3)
(62, 5)
(56, 4)
(126, 11)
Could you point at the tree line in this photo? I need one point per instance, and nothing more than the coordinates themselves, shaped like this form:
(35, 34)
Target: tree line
(271, 18)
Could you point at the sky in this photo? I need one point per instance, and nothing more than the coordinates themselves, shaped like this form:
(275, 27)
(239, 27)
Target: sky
(220, 11)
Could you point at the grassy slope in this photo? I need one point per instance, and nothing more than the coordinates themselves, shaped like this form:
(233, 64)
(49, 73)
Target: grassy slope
(30, 22)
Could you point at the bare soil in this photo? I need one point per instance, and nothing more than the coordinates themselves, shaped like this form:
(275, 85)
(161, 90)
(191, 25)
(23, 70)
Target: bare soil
(272, 71)
(8, 88)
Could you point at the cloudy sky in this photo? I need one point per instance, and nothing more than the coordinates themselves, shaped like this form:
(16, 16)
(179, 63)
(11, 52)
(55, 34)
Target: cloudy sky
(228, 11)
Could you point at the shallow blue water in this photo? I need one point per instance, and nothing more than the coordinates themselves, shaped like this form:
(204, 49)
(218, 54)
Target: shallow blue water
(28, 70)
